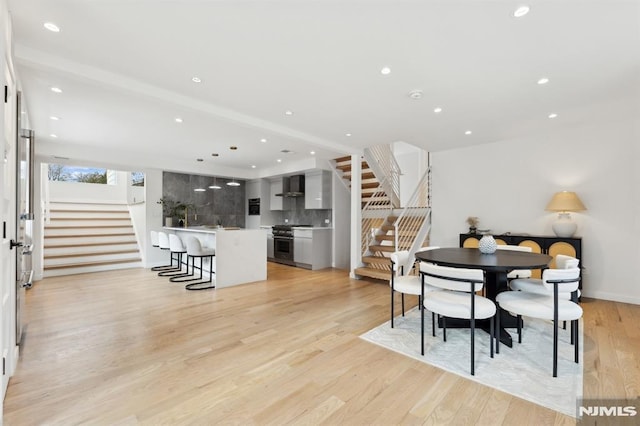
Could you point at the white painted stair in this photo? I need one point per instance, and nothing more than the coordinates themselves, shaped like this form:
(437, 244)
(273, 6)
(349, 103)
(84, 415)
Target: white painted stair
(84, 238)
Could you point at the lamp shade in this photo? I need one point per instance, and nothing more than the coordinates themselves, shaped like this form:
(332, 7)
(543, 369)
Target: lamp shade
(565, 201)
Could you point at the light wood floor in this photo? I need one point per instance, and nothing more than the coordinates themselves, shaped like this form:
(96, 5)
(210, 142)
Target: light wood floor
(128, 347)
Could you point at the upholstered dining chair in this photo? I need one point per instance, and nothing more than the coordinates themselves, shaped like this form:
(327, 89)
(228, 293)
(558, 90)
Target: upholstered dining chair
(404, 283)
(516, 273)
(458, 300)
(548, 307)
(536, 285)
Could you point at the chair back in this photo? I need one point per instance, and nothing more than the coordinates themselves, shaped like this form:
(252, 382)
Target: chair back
(398, 259)
(154, 239)
(194, 248)
(427, 248)
(566, 262)
(175, 243)
(448, 278)
(163, 240)
(513, 248)
(568, 279)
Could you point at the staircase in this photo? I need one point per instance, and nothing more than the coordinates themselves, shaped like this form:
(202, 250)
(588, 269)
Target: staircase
(368, 180)
(81, 238)
(385, 227)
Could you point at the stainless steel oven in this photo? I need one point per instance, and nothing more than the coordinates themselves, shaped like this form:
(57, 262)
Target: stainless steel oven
(283, 244)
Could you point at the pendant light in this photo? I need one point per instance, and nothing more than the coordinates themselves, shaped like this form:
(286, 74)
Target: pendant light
(215, 185)
(233, 183)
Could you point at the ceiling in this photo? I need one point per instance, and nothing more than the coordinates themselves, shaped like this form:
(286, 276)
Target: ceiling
(125, 68)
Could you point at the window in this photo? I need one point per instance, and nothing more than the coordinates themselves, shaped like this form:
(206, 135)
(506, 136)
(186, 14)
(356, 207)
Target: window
(65, 173)
(137, 179)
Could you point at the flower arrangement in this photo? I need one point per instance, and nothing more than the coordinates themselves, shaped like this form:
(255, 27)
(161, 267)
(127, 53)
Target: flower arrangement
(473, 222)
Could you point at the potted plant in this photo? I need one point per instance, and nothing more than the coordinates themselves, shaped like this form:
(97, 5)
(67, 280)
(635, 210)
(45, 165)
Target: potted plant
(473, 221)
(170, 209)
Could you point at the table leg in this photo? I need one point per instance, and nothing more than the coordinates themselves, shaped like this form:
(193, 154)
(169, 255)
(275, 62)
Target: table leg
(496, 282)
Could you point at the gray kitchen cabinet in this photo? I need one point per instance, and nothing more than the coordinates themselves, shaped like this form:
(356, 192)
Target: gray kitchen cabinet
(312, 248)
(317, 194)
(277, 202)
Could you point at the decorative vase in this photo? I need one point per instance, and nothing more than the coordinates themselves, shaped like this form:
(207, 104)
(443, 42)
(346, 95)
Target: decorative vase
(168, 222)
(487, 244)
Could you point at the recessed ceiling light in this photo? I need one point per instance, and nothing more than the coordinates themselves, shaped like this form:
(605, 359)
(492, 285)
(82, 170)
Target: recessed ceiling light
(288, 112)
(53, 136)
(437, 110)
(543, 80)
(56, 90)
(196, 80)
(214, 154)
(468, 132)
(553, 115)
(233, 148)
(253, 166)
(312, 153)
(263, 140)
(521, 11)
(199, 160)
(178, 120)
(385, 71)
(199, 189)
(54, 118)
(52, 27)
(279, 160)
(347, 134)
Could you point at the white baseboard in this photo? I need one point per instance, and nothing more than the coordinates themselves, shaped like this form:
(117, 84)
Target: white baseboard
(613, 297)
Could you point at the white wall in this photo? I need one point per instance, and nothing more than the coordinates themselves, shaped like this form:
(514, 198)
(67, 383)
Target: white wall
(90, 192)
(341, 222)
(413, 163)
(508, 184)
(154, 221)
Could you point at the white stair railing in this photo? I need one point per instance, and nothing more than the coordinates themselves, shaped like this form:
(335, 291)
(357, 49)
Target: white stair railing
(413, 225)
(386, 169)
(373, 214)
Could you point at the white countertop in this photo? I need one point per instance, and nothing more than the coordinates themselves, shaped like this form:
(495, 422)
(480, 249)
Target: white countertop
(207, 229)
(298, 227)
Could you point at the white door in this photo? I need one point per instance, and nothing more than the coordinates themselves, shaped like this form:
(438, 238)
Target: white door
(8, 218)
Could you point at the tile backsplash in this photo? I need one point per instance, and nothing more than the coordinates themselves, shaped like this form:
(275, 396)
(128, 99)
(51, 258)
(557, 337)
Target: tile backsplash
(224, 206)
(298, 215)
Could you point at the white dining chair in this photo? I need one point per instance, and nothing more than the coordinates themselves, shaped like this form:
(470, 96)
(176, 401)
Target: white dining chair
(536, 285)
(516, 273)
(404, 283)
(457, 300)
(547, 307)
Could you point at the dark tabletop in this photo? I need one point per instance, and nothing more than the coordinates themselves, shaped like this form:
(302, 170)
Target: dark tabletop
(501, 260)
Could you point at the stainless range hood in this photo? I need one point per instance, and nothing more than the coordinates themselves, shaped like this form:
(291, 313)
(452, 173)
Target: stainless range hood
(292, 186)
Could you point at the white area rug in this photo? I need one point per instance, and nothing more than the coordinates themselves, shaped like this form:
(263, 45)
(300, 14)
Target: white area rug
(523, 371)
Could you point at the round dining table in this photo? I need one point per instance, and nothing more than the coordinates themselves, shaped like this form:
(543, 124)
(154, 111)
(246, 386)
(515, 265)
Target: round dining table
(496, 266)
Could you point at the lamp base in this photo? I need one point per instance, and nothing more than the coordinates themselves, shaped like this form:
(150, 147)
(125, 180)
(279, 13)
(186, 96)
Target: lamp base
(564, 226)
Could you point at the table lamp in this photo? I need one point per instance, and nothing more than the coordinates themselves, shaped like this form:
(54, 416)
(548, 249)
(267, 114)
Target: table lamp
(565, 202)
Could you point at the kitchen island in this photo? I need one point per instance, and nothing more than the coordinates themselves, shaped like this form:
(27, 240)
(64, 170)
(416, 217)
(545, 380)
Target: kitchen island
(241, 254)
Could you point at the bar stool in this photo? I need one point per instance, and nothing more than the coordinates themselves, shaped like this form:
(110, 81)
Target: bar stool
(163, 243)
(195, 250)
(177, 248)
